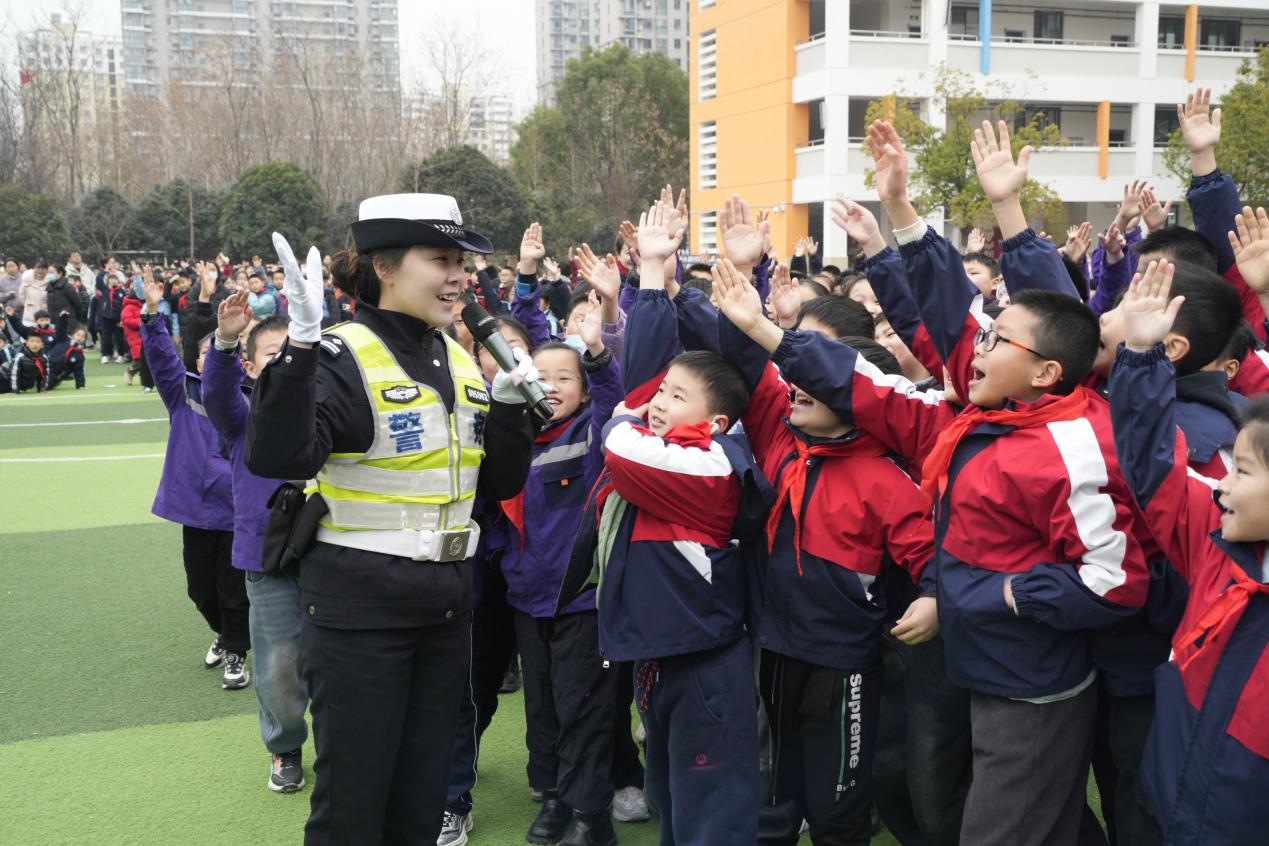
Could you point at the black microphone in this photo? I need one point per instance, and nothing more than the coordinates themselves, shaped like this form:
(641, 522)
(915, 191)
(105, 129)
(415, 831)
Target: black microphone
(484, 329)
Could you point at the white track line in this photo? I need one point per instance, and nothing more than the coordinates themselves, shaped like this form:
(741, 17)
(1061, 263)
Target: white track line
(79, 458)
(126, 420)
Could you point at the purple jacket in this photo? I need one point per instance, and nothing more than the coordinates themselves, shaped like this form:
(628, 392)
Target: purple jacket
(224, 395)
(1110, 279)
(554, 498)
(195, 489)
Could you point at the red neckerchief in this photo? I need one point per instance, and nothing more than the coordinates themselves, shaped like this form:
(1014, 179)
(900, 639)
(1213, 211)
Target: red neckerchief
(1197, 661)
(793, 482)
(934, 472)
(514, 507)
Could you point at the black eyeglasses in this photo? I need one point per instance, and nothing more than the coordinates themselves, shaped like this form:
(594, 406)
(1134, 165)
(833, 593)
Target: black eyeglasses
(990, 337)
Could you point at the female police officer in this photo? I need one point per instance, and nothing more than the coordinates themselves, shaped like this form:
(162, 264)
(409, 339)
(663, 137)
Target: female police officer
(393, 420)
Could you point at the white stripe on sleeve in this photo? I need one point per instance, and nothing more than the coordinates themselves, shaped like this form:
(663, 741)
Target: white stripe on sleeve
(1093, 510)
(650, 451)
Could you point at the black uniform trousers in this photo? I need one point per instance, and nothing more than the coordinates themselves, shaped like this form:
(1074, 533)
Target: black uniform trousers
(385, 709)
(218, 591)
(493, 643)
(824, 731)
(112, 340)
(1119, 739)
(569, 696)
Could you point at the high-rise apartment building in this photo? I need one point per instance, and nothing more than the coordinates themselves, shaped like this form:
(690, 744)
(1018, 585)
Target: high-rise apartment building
(1107, 73)
(566, 27)
(187, 40)
(491, 124)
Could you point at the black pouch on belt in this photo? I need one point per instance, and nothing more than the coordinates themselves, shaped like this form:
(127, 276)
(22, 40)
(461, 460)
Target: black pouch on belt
(293, 521)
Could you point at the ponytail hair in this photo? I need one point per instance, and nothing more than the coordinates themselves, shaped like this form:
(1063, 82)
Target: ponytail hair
(357, 274)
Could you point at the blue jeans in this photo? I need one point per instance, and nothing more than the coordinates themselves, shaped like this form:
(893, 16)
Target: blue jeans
(275, 642)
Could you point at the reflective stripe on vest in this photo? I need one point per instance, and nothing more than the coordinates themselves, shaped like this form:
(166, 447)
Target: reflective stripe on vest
(421, 468)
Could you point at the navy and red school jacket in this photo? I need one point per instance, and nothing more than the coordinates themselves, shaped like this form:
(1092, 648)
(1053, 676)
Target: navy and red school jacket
(196, 487)
(65, 355)
(1042, 506)
(1253, 372)
(1206, 762)
(28, 371)
(859, 515)
(675, 582)
(543, 519)
(225, 398)
(1208, 414)
(48, 334)
(886, 276)
(1214, 202)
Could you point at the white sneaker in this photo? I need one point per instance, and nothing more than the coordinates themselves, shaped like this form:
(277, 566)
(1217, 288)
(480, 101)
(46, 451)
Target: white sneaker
(236, 675)
(148, 391)
(215, 655)
(454, 829)
(105, 359)
(630, 805)
(118, 359)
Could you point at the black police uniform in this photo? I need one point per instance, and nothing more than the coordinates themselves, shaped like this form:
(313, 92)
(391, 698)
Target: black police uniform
(386, 640)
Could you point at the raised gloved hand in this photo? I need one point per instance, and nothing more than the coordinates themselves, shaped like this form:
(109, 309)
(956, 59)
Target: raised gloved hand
(505, 384)
(303, 292)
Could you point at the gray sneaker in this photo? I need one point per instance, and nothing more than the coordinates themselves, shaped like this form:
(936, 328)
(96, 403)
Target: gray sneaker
(630, 805)
(287, 775)
(454, 829)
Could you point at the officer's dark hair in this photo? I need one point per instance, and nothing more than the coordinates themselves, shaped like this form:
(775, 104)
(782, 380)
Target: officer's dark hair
(726, 391)
(1241, 343)
(1076, 273)
(1178, 244)
(1209, 317)
(839, 314)
(270, 324)
(874, 353)
(355, 273)
(983, 259)
(1066, 331)
(705, 286)
(1256, 422)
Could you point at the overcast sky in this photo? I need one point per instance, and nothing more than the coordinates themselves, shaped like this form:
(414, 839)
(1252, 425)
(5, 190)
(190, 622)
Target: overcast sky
(505, 27)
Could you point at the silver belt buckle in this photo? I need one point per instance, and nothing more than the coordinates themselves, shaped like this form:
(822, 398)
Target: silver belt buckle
(453, 546)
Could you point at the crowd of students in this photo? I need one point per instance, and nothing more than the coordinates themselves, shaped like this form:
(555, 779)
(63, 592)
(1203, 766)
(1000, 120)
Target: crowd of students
(923, 543)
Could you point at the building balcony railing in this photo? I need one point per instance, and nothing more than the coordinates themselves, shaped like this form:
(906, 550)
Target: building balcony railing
(881, 33)
(972, 38)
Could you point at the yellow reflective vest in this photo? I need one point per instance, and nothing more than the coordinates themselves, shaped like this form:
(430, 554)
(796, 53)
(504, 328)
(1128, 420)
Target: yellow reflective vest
(420, 471)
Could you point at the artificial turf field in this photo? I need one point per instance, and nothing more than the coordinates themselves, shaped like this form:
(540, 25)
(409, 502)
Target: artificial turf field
(111, 731)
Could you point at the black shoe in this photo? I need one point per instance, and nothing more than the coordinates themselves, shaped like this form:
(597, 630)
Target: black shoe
(511, 678)
(288, 772)
(552, 820)
(591, 830)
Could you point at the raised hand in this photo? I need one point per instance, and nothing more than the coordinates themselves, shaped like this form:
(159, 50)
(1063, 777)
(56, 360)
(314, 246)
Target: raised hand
(1001, 176)
(1079, 242)
(153, 289)
(304, 291)
(1148, 311)
(1114, 243)
(677, 216)
(812, 246)
(1251, 249)
(479, 262)
(1130, 205)
(532, 250)
(602, 274)
(743, 239)
(629, 235)
(976, 242)
(735, 297)
(786, 296)
(208, 275)
(552, 268)
(233, 316)
(1154, 214)
(591, 329)
(799, 247)
(860, 224)
(890, 161)
(1200, 126)
(656, 242)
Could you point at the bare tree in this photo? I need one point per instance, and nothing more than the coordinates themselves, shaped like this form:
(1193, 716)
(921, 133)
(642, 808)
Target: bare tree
(458, 70)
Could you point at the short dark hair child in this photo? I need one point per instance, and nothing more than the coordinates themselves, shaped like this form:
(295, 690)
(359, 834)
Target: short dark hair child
(873, 352)
(705, 286)
(1177, 244)
(1065, 331)
(1208, 319)
(840, 315)
(993, 267)
(700, 270)
(271, 323)
(725, 389)
(817, 287)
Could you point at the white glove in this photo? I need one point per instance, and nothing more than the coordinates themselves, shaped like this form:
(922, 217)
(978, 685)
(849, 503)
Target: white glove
(303, 292)
(505, 384)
